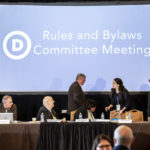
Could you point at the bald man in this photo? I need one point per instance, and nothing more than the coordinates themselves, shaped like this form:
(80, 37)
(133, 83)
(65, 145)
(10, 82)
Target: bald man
(123, 138)
(47, 109)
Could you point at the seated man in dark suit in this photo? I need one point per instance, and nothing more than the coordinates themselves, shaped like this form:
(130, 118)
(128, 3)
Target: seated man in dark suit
(86, 110)
(8, 106)
(47, 109)
(123, 138)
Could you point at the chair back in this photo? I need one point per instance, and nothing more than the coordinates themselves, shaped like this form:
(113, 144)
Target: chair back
(115, 115)
(136, 115)
(72, 115)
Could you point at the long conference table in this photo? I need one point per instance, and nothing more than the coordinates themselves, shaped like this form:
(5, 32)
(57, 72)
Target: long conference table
(65, 136)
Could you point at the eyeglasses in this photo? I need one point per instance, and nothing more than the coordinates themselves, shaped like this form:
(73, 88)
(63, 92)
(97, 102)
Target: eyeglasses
(10, 102)
(103, 146)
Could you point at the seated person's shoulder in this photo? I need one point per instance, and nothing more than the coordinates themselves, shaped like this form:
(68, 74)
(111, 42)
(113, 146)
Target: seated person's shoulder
(1, 107)
(42, 108)
(14, 106)
(1, 104)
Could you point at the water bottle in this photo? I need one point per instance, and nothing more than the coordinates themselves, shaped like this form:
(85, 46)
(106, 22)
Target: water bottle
(102, 116)
(42, 117)
(129, 116)
(80, 115)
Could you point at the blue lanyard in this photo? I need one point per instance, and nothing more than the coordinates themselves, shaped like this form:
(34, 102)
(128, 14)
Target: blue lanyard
(117, 97)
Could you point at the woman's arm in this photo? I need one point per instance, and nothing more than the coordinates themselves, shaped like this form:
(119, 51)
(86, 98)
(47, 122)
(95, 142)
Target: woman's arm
(122, 110)
(109, 107)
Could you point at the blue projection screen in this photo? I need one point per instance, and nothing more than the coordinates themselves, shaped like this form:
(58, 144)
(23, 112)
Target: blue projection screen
(42, 48)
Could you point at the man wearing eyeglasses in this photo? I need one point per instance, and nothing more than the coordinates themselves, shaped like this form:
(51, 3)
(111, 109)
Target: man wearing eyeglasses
(8, 106)
(47, 109)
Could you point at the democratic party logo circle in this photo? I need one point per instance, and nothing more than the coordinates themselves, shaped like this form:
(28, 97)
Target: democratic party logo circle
(17, 45)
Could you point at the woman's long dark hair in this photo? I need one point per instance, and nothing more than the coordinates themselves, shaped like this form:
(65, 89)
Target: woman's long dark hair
(99, 138)
(122, 89)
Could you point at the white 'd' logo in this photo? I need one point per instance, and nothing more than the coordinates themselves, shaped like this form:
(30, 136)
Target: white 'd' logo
(16, 45)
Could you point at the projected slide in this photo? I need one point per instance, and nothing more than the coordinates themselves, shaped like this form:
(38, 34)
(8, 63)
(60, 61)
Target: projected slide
(43, 48)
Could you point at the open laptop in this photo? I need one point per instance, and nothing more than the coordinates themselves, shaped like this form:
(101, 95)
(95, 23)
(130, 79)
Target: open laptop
(6, 116)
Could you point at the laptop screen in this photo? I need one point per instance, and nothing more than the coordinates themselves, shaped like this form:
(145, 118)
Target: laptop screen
(6, 116)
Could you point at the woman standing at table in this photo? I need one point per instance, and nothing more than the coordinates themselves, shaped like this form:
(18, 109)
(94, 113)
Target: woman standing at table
(119, 97)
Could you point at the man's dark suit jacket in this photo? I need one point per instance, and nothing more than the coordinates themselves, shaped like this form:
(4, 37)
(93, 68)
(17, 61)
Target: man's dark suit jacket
(13, 110)
(76, 97)
(46, 112)
(120, 147)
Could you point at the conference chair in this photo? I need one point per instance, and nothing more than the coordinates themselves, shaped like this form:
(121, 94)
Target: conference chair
(115, 115)
(136, 115)
(72, 115)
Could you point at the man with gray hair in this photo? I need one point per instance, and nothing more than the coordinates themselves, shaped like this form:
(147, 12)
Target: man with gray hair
(123, 138)
(47, 109)
(8, 106)
(76, 97)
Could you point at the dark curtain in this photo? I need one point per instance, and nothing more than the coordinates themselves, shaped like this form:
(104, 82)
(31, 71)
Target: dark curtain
(71, 136)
